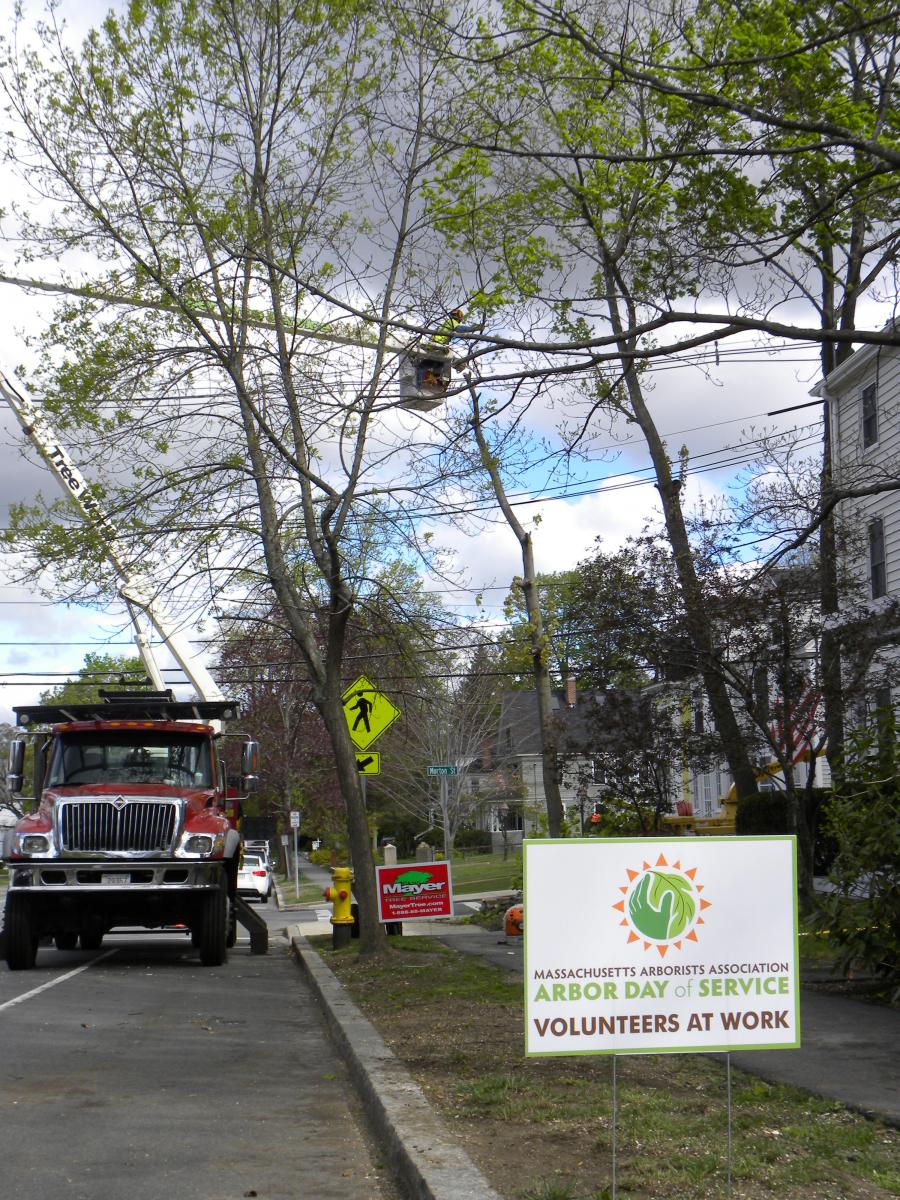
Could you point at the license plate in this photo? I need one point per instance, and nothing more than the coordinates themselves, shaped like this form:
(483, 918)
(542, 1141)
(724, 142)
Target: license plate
(110, 880)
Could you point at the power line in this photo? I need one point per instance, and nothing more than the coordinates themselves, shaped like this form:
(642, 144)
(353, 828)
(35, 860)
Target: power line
(98, 645)
(628, 479)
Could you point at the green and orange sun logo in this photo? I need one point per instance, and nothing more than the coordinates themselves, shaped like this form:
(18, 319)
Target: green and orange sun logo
(661, 905)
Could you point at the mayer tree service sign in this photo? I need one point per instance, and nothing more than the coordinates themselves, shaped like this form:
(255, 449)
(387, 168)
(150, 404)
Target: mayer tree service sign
(664, 945)
(414, 891)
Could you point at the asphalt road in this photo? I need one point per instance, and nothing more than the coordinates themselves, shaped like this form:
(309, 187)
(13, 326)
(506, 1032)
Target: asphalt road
(135, 1073)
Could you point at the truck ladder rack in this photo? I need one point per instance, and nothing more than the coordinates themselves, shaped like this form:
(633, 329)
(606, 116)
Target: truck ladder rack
(153, 707)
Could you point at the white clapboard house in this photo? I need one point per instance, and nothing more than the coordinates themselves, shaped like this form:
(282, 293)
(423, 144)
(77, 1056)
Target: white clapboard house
(863, 398)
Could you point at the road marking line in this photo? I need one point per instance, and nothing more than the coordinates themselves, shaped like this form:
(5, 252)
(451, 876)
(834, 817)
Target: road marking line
(53, 982)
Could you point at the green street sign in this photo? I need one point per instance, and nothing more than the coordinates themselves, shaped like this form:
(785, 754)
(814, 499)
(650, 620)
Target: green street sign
(442, 769)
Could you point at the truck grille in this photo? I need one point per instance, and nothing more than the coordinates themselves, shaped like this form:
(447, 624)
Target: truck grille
(98, 825)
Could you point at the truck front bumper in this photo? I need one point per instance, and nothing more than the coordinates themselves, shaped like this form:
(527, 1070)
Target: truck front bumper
(132, 876)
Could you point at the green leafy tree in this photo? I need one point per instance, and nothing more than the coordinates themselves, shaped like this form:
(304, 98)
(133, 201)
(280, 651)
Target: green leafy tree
(99, 671)
(218, 170)
(555, 600)
(606, 186)
(833, 198)
(624, 617)
(612, 196)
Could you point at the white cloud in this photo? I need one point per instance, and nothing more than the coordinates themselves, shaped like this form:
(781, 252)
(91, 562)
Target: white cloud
(565, 534)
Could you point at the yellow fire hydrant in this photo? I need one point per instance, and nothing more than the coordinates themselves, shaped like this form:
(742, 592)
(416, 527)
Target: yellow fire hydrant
(340, 897)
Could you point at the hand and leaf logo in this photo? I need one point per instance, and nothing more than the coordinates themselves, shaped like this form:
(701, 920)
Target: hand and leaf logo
(413, 877)
(662, 905)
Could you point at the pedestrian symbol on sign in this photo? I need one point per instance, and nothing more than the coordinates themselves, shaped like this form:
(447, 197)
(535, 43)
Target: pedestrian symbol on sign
(362, 708)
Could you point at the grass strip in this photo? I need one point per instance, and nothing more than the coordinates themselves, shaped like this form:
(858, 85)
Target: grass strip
(540, 1129)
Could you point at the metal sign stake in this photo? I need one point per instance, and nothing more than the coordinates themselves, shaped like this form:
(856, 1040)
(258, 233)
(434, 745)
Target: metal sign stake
(296, 866)
(614, 1102)
(728, 1087)
(295, 829)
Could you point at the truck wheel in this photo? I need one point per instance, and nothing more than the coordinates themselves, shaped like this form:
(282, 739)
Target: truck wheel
(91, 941)
(214, 927)
(65, 940)
(21, 940)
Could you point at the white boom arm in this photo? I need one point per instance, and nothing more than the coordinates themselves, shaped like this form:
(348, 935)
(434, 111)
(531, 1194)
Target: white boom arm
(135, 592)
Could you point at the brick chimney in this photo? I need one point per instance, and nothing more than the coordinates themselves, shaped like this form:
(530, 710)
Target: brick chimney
(571, 691)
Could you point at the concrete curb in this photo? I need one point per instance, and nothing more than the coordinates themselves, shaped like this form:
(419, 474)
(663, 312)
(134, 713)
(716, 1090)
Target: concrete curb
(417, 1145)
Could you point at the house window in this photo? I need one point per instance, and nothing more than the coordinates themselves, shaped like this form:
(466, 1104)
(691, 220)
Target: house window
(869, 416)
(882, 700)
(503, 819)
(884, 720)
(877, 565)
(707, 793)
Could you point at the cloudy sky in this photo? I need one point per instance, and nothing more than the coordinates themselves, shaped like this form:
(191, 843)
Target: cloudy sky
(713, 409)
(708, 412)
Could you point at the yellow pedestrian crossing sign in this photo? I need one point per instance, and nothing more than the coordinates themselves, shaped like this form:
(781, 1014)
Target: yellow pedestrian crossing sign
(369, 712)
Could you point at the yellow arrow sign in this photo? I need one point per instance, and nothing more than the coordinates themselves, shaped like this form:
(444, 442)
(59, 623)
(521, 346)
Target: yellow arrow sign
(369, 712)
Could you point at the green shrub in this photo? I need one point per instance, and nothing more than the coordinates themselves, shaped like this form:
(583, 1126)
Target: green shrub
(862, 915)
(762, 813)
(619, 818)
(477, 840)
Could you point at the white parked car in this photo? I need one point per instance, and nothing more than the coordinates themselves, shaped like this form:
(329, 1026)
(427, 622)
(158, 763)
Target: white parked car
(254, 878)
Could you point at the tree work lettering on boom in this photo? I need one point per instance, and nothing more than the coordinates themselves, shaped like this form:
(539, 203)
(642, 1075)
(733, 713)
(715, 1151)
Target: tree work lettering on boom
(135, 591)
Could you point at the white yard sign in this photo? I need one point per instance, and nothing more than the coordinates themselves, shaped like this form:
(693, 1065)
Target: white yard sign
(635, 945)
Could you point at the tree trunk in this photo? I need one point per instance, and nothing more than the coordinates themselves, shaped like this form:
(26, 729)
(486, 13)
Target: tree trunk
(544, 691)
(709, 661)
(372, 939)
(734, 745)
(542, 685)
(790, 689)
(830, 667)
(445, 817)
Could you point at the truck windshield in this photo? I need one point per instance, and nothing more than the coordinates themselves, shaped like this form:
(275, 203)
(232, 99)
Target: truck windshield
(130, 756)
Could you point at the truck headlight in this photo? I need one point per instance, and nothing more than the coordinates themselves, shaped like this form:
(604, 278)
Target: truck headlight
(199, 843)
(202, 844)
(34, 843)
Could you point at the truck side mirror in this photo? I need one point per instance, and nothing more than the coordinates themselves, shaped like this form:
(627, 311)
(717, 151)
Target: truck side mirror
(250, 766)
(15, 771)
